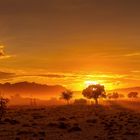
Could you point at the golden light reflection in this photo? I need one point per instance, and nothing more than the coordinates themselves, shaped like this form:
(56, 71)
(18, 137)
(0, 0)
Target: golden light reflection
(88, 83)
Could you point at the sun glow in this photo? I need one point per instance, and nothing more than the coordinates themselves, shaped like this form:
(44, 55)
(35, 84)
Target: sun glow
(88, 83)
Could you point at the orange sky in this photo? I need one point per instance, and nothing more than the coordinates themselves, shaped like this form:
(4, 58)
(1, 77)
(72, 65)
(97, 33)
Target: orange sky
(70, 42)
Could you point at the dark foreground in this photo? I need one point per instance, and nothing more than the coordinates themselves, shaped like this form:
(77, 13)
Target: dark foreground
(107, 122)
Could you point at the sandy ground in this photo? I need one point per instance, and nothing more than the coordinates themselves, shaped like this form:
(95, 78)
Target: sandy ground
(113, 121)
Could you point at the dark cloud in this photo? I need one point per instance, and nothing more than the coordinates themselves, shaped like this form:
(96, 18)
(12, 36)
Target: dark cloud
(52, 75)
(44, 75)
(3, 55)
(2, 51)
(6, 75)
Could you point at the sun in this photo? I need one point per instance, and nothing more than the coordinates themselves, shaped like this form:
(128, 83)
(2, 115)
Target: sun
(88, 83)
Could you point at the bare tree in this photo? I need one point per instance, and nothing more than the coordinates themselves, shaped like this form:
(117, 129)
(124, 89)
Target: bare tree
(66, 95)
(94, 92)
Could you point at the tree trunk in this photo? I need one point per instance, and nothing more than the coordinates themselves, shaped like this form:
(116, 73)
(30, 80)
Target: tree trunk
(96, 101)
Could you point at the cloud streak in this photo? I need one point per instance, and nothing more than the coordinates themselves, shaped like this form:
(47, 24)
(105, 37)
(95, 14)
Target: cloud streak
(6, 75)
(74, 76)
(44, 75)
(72, 80)
(132, 54)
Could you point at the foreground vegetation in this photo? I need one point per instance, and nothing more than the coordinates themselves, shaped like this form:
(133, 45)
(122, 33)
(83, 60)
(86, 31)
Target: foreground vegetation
(112, 120)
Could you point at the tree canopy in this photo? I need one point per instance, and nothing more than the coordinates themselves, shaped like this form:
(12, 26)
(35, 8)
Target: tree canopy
(94, 92)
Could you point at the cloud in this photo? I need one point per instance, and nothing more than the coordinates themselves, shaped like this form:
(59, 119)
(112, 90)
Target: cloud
(6, 75)
(1, 51)
(132, 54)
(135, 71)
(44, 75)
(3, 55)
(52, 75)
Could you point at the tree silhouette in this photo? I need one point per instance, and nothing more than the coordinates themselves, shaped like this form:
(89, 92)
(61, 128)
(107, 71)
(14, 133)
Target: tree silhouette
(113, 95)
(133, 95)
(3, 106)
(94, 92)
(67, 95)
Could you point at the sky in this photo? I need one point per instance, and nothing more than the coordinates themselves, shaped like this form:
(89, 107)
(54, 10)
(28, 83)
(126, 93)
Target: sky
(70, 42)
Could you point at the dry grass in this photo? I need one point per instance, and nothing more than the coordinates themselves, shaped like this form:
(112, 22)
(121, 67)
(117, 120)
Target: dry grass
(113, 121)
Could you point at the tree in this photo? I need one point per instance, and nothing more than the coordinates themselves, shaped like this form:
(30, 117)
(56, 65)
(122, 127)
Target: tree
(133, 95)
(67, 95)
(3, 106)
(94, 92)
(113, 95)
